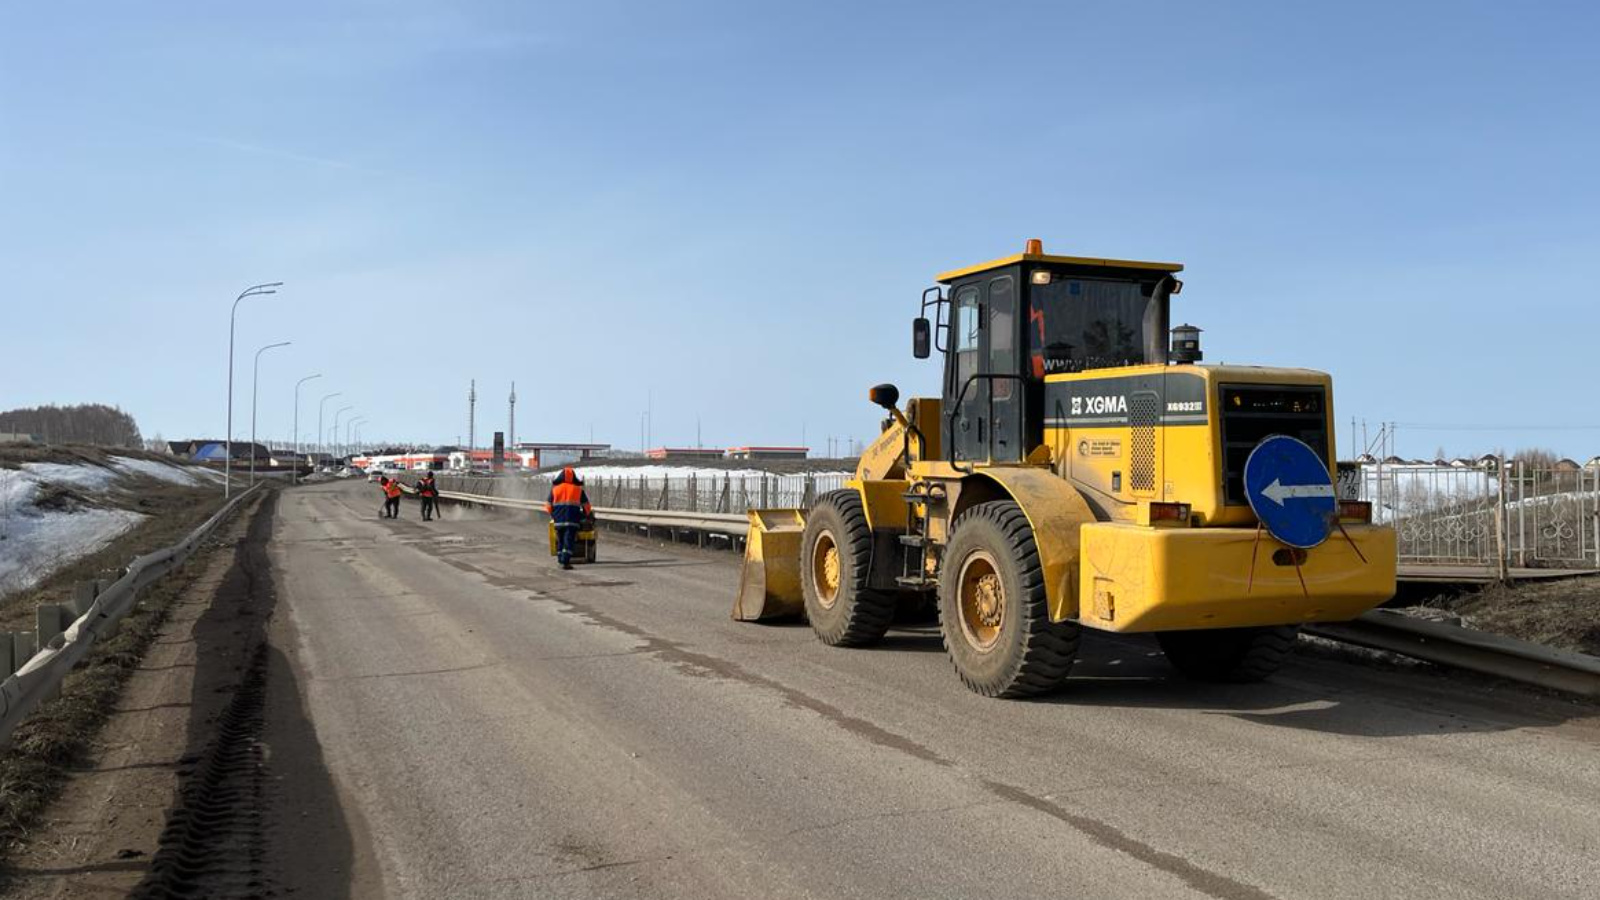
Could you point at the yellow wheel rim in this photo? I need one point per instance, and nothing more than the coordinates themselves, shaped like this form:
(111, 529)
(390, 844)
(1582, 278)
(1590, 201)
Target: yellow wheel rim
(983, 601)
(825, 569)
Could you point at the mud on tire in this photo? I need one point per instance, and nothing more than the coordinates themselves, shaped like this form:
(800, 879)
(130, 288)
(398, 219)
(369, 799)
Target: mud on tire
(835, 566)
(1237, 655)
(1005, 647)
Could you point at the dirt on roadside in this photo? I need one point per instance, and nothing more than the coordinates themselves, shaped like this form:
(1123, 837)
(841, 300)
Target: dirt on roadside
(1562, 613)
(208, 780)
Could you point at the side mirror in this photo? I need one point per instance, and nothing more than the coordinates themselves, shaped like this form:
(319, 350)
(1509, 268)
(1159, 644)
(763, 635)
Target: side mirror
(885, 395)
(921, 338)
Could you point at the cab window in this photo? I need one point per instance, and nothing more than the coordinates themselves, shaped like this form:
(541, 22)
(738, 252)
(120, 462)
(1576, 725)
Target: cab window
(1078, 323)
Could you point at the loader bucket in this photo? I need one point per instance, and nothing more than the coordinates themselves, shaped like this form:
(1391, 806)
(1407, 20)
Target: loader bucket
(769, 585)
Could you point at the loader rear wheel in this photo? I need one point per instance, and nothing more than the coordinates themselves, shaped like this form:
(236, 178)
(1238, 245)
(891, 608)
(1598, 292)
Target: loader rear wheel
(836, 564)
(1237, 655)
(992, 607)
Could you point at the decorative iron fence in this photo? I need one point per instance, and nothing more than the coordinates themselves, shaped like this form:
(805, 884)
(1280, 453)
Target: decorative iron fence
(1489, 514)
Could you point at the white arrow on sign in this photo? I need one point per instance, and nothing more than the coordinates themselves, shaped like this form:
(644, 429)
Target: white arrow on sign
(1277, 492)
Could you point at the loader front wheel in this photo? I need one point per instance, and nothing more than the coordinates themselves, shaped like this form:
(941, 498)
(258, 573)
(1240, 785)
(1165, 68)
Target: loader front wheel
(836, 564)
(1237, 655)
(993, 612)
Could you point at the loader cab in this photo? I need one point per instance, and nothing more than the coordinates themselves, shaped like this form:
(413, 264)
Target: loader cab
(1007, 324)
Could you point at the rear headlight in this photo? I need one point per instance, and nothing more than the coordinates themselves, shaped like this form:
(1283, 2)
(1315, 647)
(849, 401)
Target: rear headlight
(1169, 512)
(1355, 511)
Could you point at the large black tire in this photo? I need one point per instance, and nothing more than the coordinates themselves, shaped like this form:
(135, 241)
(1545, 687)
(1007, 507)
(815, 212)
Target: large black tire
(843, 611)
(1237, 655)
(1007, 647)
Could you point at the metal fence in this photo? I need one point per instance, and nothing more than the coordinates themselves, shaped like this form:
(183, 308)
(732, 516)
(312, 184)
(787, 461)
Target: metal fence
(1490, 514)
(709, 493)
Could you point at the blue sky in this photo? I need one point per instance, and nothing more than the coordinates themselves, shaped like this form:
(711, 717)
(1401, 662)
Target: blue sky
(727, 211)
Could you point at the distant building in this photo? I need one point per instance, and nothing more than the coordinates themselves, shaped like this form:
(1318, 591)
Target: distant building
(217, 451)
(768, 452)
(684, 453)
(544, 454)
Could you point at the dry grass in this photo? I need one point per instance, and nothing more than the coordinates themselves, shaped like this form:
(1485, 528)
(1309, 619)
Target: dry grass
(1564, 613)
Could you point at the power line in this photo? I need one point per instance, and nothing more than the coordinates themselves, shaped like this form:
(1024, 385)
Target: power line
(1417, 426)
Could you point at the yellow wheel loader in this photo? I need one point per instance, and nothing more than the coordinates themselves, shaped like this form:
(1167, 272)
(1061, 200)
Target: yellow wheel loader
(1081, 468)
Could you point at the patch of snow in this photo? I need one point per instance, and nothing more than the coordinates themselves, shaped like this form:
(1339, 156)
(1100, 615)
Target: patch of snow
(36, 543)
(86, 476)
(17, 489)
(157, 470)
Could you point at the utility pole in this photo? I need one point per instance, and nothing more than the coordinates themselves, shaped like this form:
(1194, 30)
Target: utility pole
(511, 440)
(472, 418)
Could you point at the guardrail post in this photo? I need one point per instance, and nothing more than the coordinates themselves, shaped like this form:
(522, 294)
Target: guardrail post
(50, 619)
(83, 595)
(694, 499)
(664, 502)
(639, 495)
(23, 647)
(727, 485)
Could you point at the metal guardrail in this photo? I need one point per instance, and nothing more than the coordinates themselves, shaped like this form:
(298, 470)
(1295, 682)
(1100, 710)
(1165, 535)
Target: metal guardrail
(731, 524)
(1434, 642)
(1464, 648)
(40, 677)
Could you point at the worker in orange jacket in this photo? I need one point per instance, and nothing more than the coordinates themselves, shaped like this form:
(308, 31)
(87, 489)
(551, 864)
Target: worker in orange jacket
(391, 497)
(569, 508)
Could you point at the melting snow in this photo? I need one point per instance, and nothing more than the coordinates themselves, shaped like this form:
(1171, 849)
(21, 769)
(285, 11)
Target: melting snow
(87, 476)
(37, 542)
(157, 470)
(34, 542)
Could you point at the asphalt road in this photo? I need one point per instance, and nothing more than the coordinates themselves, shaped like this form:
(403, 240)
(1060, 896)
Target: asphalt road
(498, 728)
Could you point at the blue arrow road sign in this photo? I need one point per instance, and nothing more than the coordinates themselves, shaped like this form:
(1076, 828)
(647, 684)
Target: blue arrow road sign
(1289, 490)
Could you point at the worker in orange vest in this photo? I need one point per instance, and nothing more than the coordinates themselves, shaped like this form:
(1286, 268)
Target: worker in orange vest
(569, 508)
(428, 491)
(391, 497)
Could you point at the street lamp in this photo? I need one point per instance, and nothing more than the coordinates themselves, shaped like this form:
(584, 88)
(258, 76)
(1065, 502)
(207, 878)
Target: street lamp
(255, 290)
(295, 475)
(333, 438)
(322, 448)
(347, 426)
(255, 377)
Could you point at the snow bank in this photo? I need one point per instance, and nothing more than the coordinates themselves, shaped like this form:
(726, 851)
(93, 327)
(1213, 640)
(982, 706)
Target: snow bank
(86, 476)
(157, 470)
(37, 542)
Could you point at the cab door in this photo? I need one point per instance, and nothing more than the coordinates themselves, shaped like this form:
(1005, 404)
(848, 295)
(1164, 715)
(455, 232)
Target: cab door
(984, 389)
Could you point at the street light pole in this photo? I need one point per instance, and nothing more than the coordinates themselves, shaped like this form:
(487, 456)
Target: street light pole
(334, 437)
(347, 425)
(296, 474)
(255, 378)
(321, 447)
(227, 463)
